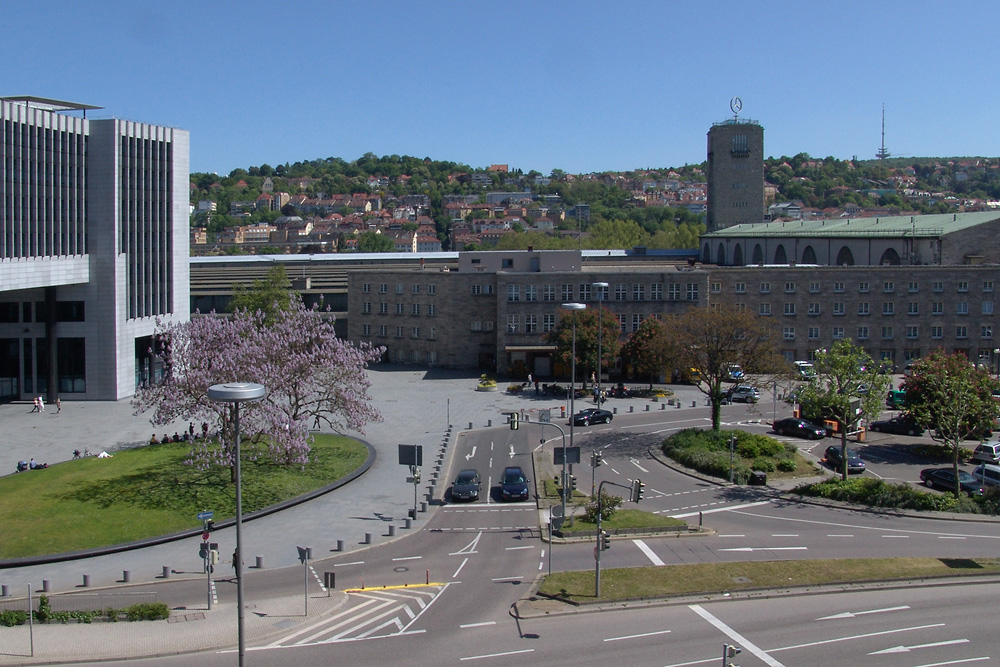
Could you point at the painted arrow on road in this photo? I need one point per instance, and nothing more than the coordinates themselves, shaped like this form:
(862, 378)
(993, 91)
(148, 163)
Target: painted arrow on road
(852, 614)
(907, 649)
(512, 451)
(471, 454)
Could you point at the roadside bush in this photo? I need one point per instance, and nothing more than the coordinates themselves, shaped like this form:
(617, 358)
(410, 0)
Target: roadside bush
(153, 611)
(877, 493)
(765, 465)
(13, 617)
(609, 506)
(786, 465)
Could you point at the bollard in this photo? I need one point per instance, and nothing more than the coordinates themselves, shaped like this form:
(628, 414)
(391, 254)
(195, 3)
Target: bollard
(407, 522)
(631, 408)
(614, 410)
(166, 572)
(392, 531)
(45, 586)
(86, 581)
(259, 563)
(677, 405)
(663, 406)
(470, 426)
(4, 591)
(340, 545)
(126, 576)
(700, 517)
(694, 404)
(329, 581)
(368, 538)
(489, 423)
(647, 407)
(423, 507)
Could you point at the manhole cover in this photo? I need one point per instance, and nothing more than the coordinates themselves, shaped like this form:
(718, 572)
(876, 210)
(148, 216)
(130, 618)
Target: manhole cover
(741, 580)
(400, 569)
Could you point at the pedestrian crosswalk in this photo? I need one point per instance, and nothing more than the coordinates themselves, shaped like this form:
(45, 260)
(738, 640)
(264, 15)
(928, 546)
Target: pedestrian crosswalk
(369, 614)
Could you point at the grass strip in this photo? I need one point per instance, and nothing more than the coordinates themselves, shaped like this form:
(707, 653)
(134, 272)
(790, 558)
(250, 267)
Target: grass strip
(619, 584)
(149, 491)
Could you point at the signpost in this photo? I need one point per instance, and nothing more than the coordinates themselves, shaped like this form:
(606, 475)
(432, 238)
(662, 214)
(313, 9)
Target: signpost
(413, 456)
(206, 552)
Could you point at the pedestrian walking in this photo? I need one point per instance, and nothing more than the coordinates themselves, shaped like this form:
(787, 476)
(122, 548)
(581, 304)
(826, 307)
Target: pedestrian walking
(58, 405)
(35, 404)
(41, 404)
(236, 561)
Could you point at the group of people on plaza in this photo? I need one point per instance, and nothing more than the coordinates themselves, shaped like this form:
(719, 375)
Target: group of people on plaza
(177, 437)
(39, 402)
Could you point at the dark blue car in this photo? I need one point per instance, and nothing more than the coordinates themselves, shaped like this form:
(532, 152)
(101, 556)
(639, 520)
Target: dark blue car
(513, 484)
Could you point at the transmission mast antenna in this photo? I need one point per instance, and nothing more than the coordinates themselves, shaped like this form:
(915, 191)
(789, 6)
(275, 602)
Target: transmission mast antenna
(882, 152)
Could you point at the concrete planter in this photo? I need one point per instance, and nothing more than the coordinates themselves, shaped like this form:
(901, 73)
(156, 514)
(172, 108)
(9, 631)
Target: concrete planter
(484, 388)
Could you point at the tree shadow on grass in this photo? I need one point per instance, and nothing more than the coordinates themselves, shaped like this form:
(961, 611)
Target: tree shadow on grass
(153, 489)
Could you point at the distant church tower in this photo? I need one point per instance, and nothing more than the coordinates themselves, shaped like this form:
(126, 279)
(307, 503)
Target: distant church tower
(735, 171)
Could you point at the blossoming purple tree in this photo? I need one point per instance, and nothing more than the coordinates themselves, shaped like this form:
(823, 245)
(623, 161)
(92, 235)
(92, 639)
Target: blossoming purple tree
(312, 377)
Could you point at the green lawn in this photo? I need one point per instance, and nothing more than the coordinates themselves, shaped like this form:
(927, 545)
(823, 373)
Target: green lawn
(627, 518)
(148, 491)
(708, 578)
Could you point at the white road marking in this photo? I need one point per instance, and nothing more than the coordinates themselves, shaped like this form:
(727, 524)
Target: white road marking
(464, 561)
(722, 509)
(407, 558)
(644, 548)
(477, 625)
(859, 527)
(639, 636)
(636, 464)
(469, 548)
(784, 535)
(471, 454)
(733, 535)
(853, 637)
(514, 578)
(498, 655)
(614, 471)
(840, 535)
(907, 649)
(735, 636)
(950, 537)
(518, 548)
(357, 562)
(747, 549)
(852, 614)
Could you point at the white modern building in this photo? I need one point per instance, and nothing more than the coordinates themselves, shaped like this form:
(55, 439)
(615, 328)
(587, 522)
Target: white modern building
(93, 248)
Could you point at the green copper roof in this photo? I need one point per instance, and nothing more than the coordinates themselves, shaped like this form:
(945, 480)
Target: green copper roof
(927, 226)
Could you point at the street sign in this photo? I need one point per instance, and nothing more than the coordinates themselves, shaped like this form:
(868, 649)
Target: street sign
(204, 536)
(411, 455)
(205, 515)
(572, 455)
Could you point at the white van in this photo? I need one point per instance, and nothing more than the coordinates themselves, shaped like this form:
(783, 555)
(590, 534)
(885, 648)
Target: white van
(988, 452)
(805, 369)
(988, 474)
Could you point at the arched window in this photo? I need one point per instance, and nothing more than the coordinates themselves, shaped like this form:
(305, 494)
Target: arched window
(889, 258)
(738, 255)
(758, 255)
(779, 255)
(844, 257)
(706, 254)
(720, 255)
(809, 255)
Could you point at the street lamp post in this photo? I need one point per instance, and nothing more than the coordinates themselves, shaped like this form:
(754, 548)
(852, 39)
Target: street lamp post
(236, 393)
(996, 359)
(572, 390)
(600, 287)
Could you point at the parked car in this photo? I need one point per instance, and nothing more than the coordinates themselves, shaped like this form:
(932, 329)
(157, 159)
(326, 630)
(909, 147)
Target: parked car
(988, 474)
(988, 452)
(466, 486)
(902, 425)
(592, 416)
(799, 428)
(895, 399)
(513, 484)
(743, 394)
(734, 373)
(854, 462)
(945, 478)
(805, 369)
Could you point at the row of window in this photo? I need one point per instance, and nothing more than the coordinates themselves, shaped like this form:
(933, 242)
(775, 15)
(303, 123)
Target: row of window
(864, 308)
(383, 332)
(839, 287)
(383, 288)
(912, 332)
(415, 308)
(549, 323)
(565, 292)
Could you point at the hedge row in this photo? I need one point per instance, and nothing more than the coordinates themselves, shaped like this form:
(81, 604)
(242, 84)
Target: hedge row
(707, 452)
(878, 493)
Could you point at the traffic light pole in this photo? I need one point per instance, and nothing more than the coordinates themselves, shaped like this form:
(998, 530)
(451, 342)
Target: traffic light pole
(635, 495)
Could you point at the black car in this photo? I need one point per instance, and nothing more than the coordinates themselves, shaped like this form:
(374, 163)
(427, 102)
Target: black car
(854, 462)
(513, 484)
(945, 478)
(466, 486)
(902, 425)
(799, 428)
(592, 416)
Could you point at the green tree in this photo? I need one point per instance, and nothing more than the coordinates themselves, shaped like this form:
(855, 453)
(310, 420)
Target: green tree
(650, 349)
(947, 393)
(272, 296)
(847, 388)
(589, 332)
(372, 242)
(709, 339)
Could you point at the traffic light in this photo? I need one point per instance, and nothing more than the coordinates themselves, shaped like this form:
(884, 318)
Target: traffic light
(638, 490)
(731, 651)
(572, 483)
(598, 460)
(203, 550)
(512, 419)
(604, 541)
(213, 556)
(209, 525)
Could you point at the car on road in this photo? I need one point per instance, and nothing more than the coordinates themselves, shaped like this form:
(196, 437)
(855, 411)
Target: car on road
(987, 452)
(466, 486)
(854, 462)
(592, 416)
(944, 478)
(734, 373)
(902, 425)
(799, 428)
(513, 484)
(743, 393)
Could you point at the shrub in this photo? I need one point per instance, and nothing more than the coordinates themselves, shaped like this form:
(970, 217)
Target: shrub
(786, 465)
(153, 611)
(877, 493)
(13, 617)
(766, 465)
(609, 505)
(44, 610)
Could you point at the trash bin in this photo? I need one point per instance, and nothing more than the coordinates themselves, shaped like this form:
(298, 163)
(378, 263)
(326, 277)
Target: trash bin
(758, 478)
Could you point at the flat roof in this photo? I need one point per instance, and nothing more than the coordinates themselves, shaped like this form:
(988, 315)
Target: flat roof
(48, 103)
(925, 226)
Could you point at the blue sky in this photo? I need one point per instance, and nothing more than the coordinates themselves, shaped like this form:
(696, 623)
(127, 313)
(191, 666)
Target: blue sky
(578, 86)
